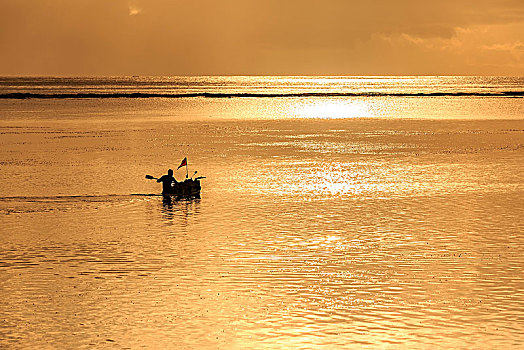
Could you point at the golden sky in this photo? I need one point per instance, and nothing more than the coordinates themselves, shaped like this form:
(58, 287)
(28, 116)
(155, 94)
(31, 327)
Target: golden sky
(261, 37)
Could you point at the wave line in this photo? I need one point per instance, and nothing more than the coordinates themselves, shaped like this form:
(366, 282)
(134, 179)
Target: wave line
(28, 95)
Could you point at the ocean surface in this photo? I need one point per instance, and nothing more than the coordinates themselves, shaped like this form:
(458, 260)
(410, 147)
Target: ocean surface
(336, 213)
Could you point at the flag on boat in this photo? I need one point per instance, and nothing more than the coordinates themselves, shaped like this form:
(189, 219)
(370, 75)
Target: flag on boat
(184, 163)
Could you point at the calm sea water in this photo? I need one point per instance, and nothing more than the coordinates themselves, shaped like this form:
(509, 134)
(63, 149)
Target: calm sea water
(343, 221)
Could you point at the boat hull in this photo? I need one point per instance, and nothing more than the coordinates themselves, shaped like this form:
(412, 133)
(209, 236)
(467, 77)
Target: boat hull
(187, 189)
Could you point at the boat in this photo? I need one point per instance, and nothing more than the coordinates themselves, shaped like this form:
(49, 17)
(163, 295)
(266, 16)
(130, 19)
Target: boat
(187, 189)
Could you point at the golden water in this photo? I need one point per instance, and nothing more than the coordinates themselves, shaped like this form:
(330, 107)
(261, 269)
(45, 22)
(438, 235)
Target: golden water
(310, 233)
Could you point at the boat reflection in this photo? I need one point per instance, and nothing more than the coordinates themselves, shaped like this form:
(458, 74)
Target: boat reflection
(176, 212)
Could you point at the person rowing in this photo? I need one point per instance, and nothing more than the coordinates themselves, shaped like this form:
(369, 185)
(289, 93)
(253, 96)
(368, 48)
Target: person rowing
(189, 188)
(168, 182)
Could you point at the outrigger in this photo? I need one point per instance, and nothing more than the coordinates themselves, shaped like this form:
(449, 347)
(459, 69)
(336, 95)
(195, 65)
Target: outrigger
(187, 189)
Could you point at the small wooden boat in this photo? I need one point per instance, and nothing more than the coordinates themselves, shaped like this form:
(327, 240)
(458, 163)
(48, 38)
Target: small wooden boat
(187, 189)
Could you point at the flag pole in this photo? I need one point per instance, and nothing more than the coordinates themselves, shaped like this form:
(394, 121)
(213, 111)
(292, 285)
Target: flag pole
(187, 174)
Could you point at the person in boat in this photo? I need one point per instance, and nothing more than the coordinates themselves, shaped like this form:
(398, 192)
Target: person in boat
(168, 182)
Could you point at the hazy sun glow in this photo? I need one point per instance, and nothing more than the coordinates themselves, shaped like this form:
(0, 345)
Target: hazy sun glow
(249, 37)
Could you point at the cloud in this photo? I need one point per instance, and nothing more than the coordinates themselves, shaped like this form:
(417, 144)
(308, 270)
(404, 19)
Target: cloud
(516, 46)
(481, 49)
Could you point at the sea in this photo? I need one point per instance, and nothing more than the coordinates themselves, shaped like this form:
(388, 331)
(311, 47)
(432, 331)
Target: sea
(335, 213)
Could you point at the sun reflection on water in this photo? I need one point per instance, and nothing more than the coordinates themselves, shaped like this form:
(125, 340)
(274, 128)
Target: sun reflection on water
(333, 109)
(332, 180)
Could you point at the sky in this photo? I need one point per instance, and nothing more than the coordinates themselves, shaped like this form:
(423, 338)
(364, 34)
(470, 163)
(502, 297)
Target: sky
(261, 37)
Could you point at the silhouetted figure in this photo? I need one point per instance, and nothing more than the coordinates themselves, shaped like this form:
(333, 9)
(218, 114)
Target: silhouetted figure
(168, 182)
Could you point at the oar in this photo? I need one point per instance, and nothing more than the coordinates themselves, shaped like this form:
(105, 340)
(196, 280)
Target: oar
(150, 177)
